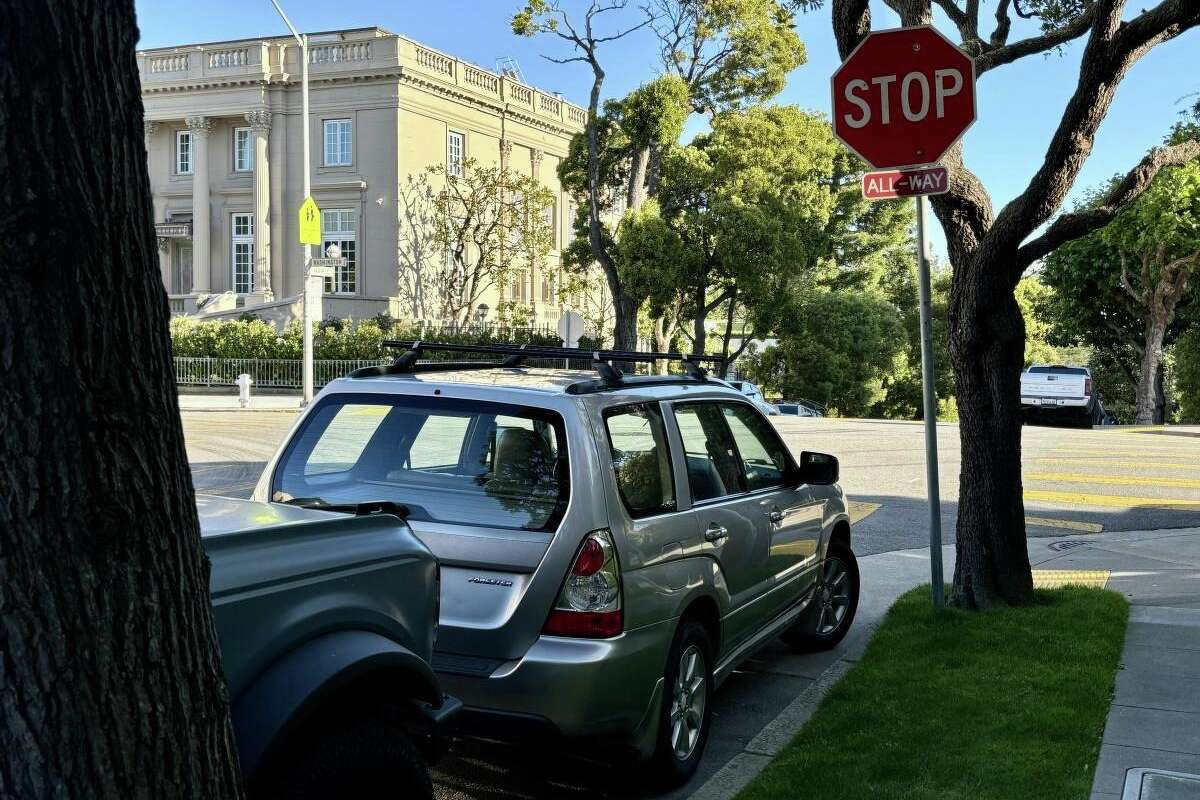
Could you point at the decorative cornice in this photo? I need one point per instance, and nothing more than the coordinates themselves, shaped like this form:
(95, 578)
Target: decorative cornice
(259, 119)
(150, 127)
(200, 126)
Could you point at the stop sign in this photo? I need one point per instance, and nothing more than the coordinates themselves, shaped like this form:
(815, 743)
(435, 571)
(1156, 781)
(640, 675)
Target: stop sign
(903, 97)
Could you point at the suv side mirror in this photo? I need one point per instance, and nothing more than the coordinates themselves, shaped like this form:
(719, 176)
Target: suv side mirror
(818, 469)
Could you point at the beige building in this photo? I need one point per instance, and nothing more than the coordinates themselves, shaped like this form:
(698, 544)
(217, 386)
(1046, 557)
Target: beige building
(224, 141)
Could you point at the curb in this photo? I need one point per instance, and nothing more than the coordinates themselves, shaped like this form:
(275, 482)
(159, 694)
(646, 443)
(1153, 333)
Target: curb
(744, 767)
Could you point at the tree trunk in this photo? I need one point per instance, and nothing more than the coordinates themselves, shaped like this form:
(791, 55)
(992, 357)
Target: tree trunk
(635, 192)
(1148, 388)
(1160, 397)
(111, 678)
(987, 343)
(698, 331)
(625, 334)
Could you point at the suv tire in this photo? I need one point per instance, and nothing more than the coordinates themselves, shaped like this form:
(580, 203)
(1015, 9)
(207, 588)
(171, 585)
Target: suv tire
(836, 594)
(686, 713)
(361, 758)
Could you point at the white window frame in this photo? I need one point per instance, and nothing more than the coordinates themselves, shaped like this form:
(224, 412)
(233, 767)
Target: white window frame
(238, 164)
(180, 138)
(243, 242)
(455, 140)
(343, 130)
(345, 279)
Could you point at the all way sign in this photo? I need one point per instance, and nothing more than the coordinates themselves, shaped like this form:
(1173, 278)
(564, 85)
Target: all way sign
(892, 183)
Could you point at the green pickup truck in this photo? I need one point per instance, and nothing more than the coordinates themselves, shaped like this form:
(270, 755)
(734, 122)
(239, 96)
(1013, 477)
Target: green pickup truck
(326, 623)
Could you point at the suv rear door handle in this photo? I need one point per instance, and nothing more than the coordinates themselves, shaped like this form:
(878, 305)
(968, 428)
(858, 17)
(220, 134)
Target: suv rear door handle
(775, 515)
(715, 532)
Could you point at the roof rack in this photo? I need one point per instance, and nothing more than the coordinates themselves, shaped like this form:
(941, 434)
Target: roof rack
(515, 355)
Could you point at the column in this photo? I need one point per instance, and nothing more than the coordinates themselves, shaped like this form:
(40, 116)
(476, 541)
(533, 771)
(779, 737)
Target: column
(278, 157)
(260, 127)
(505, 152)
(150, 129)
(535, 164)
(200, 127)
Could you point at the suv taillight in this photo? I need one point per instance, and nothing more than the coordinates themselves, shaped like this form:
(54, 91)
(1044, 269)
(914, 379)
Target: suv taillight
(589, 603)
(1087, 387)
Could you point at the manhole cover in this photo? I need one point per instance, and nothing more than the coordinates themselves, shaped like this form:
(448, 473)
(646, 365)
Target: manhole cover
(1069, 544)
(1157, 784)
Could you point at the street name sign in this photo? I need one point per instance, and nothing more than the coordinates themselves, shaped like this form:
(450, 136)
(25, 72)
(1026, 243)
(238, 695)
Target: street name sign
(320, 272)
(915, 182)
(310, 222)
(327, 263)
(903, 97)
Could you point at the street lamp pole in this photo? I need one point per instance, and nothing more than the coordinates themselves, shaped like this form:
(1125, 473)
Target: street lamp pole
(302, 40)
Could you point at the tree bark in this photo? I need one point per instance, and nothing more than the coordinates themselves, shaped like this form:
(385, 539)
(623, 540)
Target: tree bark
(1148, 410)
(110, 677)
(635, 192)
(699, 334)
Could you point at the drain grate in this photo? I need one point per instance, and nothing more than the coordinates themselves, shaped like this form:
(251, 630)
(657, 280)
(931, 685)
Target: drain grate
(1158, 784)
(1069, 544)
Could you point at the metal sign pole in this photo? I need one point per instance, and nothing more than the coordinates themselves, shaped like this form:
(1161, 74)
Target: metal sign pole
(930, 397)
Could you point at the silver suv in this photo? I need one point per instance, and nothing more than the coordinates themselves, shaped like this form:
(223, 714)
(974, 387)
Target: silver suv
(611, 546)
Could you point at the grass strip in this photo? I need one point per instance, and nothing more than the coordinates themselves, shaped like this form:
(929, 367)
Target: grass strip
(1007, 703)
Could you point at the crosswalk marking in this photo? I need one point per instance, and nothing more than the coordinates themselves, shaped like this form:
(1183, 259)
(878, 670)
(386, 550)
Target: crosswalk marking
(1068, 524)
(1112, 480)
(1107, 462)
(860, 510)
(1189, 454)
(1111, 501)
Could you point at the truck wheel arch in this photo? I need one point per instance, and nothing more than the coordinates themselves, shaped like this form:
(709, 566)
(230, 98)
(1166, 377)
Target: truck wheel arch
(296, 687)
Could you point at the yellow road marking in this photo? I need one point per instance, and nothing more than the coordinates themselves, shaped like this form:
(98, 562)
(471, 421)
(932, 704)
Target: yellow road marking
(859, 510)
(1056, 578)
(1084, 499)
(1104, 462)
(1113, 480)
(1192, 453)
(1069, 524)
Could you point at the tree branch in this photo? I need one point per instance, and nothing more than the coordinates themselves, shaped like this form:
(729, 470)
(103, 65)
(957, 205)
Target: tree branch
(1080, 223)
(1127, 285)
(1106, 59)
(851, 24)
(1006, 54)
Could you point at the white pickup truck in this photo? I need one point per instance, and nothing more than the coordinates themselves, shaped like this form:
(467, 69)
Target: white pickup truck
(1058, 392)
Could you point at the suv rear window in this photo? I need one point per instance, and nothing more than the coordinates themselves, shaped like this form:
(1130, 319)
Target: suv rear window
(1058, 371)
(456, 461)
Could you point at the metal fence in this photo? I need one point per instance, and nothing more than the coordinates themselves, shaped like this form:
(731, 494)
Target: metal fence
(267, 373)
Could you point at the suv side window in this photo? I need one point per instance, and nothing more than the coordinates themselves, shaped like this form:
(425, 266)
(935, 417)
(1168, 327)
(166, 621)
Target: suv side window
(712, 462)
(763, 456)
(641, 459)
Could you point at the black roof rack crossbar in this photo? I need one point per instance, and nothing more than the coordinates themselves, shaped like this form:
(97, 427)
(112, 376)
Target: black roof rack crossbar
(515, 355)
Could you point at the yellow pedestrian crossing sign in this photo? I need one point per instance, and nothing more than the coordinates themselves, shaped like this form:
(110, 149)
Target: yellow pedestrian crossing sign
(310, 222)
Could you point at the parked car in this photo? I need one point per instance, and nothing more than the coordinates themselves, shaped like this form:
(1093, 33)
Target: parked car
(1060, 393)
(800, 408)
(326, 623)
(755, 395)
(612, 547)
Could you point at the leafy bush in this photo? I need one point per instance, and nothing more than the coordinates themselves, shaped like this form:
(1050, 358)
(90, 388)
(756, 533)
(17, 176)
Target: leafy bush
(1187, 375)
(332, 339)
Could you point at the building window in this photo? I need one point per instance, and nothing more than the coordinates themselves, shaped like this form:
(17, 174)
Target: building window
(516, 289)
(243, 150)
(339, 225)
(456, 148)
(243, 253)
(183, 152)
(550, 220)
(547, 289)
(338, 143)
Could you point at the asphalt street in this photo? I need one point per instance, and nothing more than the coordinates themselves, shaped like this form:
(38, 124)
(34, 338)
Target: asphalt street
(1077, 483)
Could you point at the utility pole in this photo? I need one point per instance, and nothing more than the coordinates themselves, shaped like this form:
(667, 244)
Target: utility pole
(306, 317)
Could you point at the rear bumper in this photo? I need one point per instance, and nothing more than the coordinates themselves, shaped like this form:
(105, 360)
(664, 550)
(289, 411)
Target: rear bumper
(1052, 403)
(572, 687)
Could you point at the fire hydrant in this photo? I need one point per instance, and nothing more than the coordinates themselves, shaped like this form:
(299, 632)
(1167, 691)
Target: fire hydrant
(243, 384)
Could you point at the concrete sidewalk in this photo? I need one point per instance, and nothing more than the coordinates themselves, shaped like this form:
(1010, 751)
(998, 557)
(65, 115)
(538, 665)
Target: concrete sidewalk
(229, 402)
(1151, 745)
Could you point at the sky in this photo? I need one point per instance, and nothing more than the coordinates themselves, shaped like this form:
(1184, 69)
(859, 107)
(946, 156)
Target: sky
(1018, 105)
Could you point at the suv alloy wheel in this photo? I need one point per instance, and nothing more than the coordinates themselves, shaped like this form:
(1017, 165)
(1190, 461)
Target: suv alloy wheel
(686, 710)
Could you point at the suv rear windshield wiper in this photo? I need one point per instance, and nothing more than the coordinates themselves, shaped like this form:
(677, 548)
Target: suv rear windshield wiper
(358, 509)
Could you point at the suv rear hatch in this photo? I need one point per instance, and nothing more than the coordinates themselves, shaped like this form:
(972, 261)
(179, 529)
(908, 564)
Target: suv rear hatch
(1055, 382)
(486, 485)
